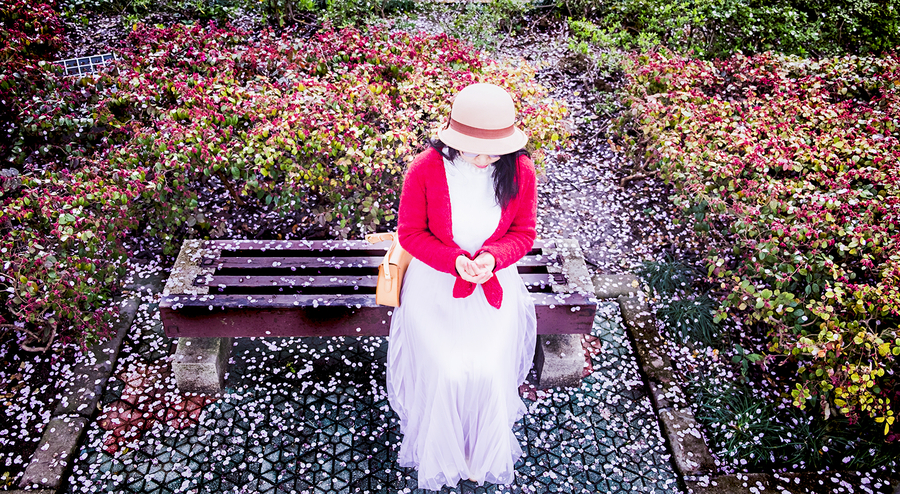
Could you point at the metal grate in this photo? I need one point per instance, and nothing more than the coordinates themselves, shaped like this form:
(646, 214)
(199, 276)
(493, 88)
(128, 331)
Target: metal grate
(85, 65)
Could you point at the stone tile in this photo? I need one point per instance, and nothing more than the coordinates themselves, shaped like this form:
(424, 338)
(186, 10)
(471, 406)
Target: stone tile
(616, 285)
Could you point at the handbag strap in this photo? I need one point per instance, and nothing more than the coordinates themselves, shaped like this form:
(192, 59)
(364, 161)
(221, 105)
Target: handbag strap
(374, 238)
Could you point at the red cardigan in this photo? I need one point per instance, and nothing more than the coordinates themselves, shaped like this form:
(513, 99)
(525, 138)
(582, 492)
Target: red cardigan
(425, 230)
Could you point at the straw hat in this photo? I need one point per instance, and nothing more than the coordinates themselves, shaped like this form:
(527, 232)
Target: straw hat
(483, 121)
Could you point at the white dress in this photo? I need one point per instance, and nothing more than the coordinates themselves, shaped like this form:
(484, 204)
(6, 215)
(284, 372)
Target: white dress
(454, 365)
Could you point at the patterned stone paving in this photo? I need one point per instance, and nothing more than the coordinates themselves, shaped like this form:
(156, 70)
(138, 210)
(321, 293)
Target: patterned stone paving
(311, 416)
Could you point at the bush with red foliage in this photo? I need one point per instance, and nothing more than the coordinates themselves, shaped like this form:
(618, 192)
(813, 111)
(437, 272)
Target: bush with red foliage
(798, 162)
(322, 125)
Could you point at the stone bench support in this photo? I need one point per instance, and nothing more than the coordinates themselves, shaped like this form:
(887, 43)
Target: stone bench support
(200, 364)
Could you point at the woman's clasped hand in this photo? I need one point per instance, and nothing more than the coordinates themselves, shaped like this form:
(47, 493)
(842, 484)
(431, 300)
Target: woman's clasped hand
(477, 270)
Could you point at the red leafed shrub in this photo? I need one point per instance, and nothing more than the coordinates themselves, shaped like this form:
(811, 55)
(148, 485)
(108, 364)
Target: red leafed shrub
(56, 239)
(31, 33)
(324, 125)
(798, 161)
(60, 250)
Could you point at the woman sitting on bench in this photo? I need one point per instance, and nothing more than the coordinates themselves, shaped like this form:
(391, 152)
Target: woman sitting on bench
(462, 340)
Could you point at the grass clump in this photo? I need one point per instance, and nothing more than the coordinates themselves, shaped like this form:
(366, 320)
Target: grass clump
(667, 277)
(742, 423)
(688, 312)
(693, 319)
(749, 428)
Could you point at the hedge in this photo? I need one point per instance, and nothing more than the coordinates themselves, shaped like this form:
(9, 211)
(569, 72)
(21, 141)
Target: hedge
(791, 166)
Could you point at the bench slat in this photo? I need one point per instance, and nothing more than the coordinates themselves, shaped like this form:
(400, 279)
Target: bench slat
(292, 281)
(310, 245)
(532, 261)
(368, 281)
(331, 315)
(218, 302)
(251, 262)
(324, 245)
(322, 261)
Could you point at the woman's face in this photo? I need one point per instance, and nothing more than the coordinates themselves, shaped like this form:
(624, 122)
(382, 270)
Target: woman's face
(479, 160)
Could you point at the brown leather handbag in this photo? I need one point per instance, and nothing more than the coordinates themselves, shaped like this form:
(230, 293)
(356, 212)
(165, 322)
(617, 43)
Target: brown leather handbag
(391, 270)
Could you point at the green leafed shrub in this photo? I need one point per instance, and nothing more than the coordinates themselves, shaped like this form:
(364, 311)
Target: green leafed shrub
(796, 162)
(283, 13)
(354, 12)
(133, 11)
(341, 13)
(487, 24)
(719, 28)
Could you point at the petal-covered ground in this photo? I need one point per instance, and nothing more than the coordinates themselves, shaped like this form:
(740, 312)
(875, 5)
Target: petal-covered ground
(311, 415)
(143, 403)
(29, 391)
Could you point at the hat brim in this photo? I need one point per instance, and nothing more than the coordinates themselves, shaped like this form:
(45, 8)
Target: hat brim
(469, 144)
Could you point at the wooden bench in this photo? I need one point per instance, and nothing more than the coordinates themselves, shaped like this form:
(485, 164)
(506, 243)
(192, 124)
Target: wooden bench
(222, 289)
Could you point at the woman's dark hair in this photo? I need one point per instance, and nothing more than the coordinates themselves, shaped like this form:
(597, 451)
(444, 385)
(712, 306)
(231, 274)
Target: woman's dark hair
(506, 180)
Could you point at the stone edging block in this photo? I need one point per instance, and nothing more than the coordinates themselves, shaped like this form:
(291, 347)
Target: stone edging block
(689, 450)
(690, 454)
(54, 453)
(667, 396)
(749, 483)
(51, 460)
(639, 321)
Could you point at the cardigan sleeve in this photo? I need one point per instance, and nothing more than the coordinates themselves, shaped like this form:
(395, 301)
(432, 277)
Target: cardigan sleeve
(519, 239)
(412, 225)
